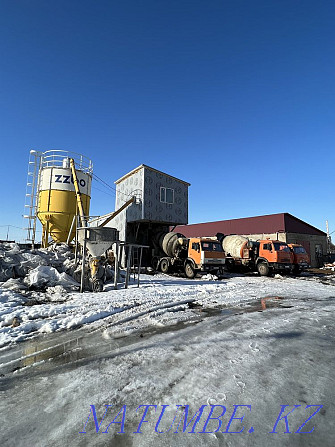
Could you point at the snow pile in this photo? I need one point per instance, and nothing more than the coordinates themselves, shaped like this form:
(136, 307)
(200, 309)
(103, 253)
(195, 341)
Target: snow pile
(329, 266)
(22, 269)
(48, 276)
(209, 277)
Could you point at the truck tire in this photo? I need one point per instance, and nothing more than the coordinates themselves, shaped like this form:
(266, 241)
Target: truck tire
(263, 269)
(228, 267)
(296, 270)
(164, 266)
(189, 270)
(154, 263)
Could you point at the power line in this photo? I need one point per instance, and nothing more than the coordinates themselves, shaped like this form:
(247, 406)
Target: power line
(98, 179)
(104, 192)
(13, 226)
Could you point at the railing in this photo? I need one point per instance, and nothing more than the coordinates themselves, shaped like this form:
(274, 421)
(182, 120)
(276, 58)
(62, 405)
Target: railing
(55, 157)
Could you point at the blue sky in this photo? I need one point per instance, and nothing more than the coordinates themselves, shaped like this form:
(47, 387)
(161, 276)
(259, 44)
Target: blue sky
(235, 97)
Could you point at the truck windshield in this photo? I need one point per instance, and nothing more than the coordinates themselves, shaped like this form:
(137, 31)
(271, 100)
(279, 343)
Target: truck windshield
(299, 250)
(211, 246)
(281, 247)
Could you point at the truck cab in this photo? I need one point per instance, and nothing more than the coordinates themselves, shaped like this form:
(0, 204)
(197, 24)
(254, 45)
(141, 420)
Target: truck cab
(204, 255)
(274, 255)
(301, 259)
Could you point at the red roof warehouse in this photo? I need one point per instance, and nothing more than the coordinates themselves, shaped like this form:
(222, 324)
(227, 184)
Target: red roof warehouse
(283, 226)
(271, 223)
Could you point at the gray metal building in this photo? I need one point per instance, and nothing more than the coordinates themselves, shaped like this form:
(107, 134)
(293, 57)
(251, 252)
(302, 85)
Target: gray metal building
(161, 202)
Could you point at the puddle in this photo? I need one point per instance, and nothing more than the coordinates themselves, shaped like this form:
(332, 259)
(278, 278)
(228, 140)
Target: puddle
(268, 302)
(88, 345)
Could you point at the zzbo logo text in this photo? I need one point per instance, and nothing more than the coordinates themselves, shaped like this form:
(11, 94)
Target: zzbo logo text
(68, 179)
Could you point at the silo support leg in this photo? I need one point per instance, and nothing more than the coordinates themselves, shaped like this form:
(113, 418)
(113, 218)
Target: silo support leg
(83, 267)
(45, 236)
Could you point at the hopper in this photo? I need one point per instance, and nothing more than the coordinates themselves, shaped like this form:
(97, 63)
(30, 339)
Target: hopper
(98, 239)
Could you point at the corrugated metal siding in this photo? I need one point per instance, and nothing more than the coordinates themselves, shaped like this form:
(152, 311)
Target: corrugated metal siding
(272, 223)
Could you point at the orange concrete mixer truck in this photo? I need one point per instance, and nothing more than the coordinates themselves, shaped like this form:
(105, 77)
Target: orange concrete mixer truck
(301, 259)
(176, 253)
(264, 256)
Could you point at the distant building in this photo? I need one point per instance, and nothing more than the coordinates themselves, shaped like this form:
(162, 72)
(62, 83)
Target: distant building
(282, 226)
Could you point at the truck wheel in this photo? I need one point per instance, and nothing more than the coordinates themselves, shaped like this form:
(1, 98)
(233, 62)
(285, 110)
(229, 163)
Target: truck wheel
(189, 270)
(164, 265)
(296, 271)
(228, 267)
(263, 269)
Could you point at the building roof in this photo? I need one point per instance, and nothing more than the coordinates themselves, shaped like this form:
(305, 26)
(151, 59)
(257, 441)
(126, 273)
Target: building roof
(151, 169)
(271, 223)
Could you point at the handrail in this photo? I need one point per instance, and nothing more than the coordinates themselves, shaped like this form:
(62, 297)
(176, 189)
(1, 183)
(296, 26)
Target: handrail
(55, 157)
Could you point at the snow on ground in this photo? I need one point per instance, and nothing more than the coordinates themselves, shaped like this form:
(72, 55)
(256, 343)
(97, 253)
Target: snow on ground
(22, 319)
(174, 343)
(271, 343)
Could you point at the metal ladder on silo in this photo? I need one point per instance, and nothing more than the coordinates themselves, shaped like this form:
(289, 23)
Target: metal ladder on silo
(30, 205)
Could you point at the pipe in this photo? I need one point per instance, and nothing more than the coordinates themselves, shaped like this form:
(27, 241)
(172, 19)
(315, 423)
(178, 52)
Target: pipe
(68, 236)
(78, 194)
(114, 213)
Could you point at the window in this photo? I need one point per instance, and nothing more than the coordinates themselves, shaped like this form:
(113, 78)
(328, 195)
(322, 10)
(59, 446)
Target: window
(299, 250)
(211, 246)
(167, 195)
(196, 246)
(281, 247)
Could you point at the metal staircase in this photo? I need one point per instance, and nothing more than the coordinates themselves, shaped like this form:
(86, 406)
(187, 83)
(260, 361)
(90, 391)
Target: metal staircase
(30, 206)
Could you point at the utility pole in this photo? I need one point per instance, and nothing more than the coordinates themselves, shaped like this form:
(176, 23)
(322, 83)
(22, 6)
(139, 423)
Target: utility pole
(328, 237)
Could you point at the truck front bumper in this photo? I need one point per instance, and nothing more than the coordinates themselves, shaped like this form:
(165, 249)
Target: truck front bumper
(211, 267)
(301, 266)
(283, 267)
